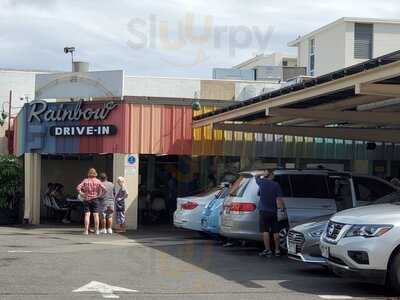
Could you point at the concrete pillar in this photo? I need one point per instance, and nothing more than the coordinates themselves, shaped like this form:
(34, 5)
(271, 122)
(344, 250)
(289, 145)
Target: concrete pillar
(32, 163)
(361, 167)
(127, 165)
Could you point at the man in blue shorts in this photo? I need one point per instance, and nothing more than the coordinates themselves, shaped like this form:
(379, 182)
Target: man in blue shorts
(270, 192)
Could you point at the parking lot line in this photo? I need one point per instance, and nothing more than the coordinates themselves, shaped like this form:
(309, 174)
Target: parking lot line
(335, 297)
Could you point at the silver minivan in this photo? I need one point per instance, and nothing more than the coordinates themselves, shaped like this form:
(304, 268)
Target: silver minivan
(307, 193)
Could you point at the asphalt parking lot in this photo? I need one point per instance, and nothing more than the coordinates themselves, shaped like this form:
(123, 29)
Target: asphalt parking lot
(61, 263)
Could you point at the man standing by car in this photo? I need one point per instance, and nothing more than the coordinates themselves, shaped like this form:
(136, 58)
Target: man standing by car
(270, 192)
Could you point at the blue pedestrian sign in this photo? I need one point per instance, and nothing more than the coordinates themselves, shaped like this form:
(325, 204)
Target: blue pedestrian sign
(131, 160)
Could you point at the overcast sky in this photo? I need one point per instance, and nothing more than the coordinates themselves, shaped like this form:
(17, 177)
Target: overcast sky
(155, 37)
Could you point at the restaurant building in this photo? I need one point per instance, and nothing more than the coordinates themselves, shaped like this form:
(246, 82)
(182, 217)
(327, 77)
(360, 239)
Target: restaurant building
(83, 119)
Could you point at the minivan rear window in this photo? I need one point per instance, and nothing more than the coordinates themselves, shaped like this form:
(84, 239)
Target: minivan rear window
(309, 186)
(238, 188)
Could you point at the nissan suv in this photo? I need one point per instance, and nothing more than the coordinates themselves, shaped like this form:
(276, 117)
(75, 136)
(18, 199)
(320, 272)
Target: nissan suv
(364, 243)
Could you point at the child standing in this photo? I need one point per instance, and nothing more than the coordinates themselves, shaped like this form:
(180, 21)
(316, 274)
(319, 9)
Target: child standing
(121, 194)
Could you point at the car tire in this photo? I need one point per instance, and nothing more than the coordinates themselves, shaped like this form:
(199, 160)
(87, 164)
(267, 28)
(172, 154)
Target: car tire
(204, 235)
(393, 279)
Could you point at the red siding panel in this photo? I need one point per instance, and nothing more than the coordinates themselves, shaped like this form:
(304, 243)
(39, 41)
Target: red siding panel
(158, 129)
(156, 121)
(106, 144)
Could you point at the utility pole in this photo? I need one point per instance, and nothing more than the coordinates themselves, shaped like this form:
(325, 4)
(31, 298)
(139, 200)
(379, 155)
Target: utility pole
(70, 50)
(9, 111)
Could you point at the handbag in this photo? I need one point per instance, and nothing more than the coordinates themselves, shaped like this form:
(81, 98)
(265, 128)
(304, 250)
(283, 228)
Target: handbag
(281, 212)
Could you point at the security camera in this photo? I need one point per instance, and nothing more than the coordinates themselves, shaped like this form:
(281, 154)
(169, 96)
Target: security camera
(69, 50)
(196, 105)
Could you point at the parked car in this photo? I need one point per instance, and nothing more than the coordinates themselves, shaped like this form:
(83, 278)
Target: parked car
(307, 194)
(364, 243)
(211, 216)
(303, 240)
(189, 209)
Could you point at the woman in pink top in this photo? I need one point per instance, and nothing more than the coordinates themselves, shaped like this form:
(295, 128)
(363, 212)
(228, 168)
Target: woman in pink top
(91, 189)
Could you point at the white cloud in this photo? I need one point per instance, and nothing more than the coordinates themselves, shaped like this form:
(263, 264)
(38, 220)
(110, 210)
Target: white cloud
(34, 32)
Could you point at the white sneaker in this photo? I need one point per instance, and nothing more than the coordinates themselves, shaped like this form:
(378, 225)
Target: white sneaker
(109, 231)
(103, 231)
(86, 232)
(97, 232)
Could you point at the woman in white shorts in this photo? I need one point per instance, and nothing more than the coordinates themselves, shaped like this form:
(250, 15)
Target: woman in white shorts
(106, 205)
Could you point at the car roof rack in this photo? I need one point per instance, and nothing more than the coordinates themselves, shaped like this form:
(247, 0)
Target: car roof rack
(319, 168)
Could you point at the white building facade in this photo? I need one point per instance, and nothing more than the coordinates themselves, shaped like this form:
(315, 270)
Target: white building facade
(276, 59)
(274, 67)
(346, 42)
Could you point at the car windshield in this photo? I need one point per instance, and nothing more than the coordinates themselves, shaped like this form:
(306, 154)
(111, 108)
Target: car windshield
(237, 189)
(391, 198)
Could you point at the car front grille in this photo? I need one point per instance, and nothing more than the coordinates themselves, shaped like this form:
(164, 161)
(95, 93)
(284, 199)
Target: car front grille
(296, 238)
(333, 230)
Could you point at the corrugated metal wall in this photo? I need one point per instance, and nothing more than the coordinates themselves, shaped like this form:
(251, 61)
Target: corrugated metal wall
(156, 129)
(230, 143)
(276, 146)
(142, 128)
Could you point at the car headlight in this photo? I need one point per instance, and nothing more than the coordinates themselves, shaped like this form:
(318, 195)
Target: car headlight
(316, 233)
(368, 231)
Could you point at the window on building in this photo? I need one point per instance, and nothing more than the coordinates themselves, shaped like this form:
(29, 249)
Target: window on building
(363, 38)
(311, 54)
(284, 63)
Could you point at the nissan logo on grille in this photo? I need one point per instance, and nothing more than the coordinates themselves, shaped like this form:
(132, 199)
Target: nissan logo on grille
(331, 229)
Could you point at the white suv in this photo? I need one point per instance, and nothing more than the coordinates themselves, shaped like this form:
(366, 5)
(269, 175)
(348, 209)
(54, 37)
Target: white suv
(364, 243)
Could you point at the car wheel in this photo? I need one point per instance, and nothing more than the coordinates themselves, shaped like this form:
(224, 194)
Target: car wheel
(282, 238)
(393, 279)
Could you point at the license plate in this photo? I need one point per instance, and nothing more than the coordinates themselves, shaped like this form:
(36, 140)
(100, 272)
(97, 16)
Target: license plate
(325, 251)
(228, 223)
(292, 248)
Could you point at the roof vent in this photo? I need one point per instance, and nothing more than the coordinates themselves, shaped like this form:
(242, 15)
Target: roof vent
(80, 66)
